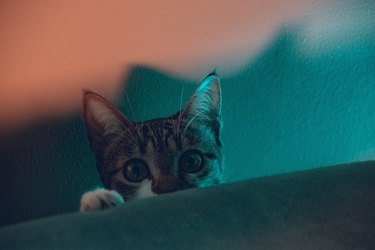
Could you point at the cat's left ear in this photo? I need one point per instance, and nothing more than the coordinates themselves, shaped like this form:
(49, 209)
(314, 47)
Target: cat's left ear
(205, 104)
(102, 120)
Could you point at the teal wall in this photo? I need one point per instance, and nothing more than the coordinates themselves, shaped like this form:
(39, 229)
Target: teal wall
(284, 111)
(287, 112)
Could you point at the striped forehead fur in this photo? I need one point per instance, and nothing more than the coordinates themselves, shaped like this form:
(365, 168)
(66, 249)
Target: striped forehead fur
(162, 136)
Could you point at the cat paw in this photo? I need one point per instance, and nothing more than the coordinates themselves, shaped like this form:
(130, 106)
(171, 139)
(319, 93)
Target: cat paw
(100, 199)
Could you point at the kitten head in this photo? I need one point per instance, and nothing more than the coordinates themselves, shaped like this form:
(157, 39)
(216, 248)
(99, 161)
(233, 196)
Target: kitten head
(161, 155)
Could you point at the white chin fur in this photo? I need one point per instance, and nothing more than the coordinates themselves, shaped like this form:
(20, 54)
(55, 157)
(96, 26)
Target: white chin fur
(145, 190)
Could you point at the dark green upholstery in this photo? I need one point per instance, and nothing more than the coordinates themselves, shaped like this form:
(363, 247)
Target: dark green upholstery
(327, 208)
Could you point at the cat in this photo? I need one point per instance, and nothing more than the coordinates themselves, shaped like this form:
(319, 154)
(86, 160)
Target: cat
(137, 160)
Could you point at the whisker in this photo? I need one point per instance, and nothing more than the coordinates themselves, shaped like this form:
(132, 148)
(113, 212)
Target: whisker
(130, 133)
(173, 121)
(132, 111)
(191, 120)
(179, 115)
(130, 105)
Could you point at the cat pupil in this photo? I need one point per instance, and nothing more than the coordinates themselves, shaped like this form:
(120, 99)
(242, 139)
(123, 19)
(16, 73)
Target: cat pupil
(192, 162)
(135, 170)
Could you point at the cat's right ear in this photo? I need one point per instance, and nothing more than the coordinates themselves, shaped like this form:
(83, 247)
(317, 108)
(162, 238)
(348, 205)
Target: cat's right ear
(102, 120)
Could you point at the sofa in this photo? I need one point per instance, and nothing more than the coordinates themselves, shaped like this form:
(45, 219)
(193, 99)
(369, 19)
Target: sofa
(324, 208)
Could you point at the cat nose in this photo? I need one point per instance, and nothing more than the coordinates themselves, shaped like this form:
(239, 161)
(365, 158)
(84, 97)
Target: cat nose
(164, 184)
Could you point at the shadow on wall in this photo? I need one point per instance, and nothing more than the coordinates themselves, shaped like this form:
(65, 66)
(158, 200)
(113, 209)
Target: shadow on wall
(283, 112)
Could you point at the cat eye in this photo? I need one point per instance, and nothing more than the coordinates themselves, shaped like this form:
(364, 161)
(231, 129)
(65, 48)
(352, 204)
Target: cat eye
(135, 170)
(191, 161)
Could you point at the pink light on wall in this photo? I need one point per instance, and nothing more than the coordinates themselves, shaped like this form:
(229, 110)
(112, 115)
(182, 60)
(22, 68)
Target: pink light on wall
(50, 50)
